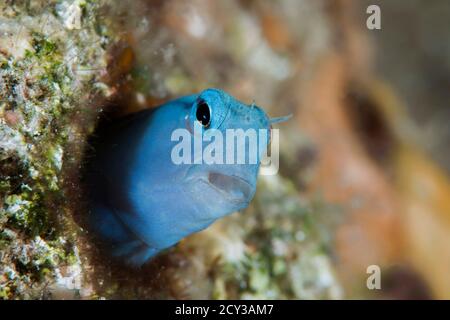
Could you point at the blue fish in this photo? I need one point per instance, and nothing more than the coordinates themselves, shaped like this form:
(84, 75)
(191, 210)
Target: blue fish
(142, 202)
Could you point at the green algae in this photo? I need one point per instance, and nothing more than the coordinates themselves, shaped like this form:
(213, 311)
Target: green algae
(283, 248)
(40, 90)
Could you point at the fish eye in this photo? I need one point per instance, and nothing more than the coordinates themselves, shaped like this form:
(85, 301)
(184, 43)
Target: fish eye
(203, 113)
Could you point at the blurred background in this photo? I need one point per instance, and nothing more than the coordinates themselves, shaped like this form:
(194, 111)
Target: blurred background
(364, 164)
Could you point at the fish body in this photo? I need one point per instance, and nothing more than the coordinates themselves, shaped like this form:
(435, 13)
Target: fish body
(142, 202)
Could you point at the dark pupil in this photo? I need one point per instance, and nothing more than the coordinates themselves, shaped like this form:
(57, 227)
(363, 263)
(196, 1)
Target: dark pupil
(203, 115)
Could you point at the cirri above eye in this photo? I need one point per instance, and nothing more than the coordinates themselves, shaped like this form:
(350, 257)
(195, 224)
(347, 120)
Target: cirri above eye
(203, 113)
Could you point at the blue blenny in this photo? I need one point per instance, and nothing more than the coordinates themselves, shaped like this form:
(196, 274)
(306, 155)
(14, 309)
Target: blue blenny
(142, 202)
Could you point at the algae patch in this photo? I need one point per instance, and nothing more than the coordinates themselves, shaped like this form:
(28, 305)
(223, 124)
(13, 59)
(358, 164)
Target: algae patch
(53, 56)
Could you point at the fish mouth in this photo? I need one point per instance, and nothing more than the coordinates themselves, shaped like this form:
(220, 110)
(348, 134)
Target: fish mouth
(234, 188)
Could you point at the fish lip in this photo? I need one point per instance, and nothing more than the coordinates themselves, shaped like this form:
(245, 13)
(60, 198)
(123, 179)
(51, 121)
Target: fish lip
(222, 182)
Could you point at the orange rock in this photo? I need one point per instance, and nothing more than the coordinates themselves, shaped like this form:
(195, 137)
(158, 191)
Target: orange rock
(346, 175)
(425, 192)
(276, 32)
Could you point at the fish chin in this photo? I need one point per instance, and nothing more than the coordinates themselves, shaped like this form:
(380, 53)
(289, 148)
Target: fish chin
(233, 188)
